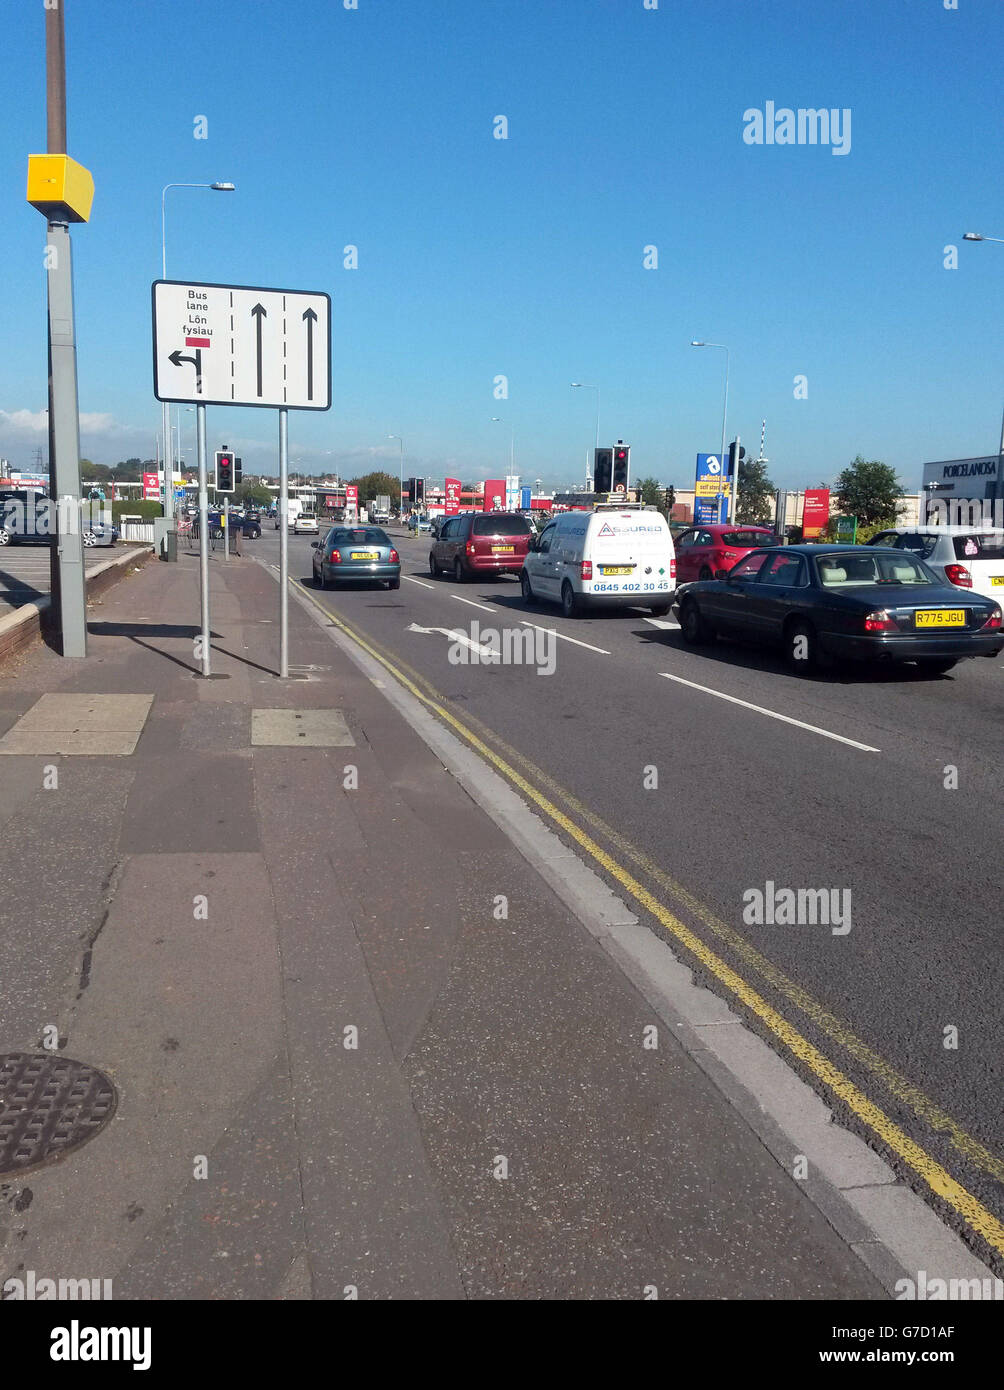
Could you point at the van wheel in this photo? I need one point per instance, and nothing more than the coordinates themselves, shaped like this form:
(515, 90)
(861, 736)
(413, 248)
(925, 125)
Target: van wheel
(695, 627)
(524, 583)
(659, 610)
(571, 604)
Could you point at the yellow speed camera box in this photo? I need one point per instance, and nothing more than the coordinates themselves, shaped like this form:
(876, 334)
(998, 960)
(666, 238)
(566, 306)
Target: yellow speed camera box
(59, 187)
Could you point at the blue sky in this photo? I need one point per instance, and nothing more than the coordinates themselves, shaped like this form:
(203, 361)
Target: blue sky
(524, 257)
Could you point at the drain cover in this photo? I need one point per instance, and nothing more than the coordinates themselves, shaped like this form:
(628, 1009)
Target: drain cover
(48, 1106)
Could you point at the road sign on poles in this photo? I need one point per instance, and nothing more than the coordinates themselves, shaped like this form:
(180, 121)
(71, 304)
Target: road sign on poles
(237, 345)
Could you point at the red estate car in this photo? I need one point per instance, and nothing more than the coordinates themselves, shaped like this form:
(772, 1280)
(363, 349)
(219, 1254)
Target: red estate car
(478, 543)
(708, 552)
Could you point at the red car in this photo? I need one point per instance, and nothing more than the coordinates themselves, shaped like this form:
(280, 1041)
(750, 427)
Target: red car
(708, 552)
(480, 543)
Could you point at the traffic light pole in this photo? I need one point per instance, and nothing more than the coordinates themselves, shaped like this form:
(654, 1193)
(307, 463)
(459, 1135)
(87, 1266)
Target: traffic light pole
(226, 527)
(734, 510)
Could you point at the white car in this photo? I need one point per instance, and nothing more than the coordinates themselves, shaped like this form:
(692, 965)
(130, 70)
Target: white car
(970, 557)
(618, 556)
(305, 522)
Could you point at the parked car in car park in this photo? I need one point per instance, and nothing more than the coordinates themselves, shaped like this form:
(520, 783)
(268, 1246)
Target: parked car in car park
(613, 557)
(708, 552)
(966, 556)
(480, 543)
(867, 603)
(356, 553)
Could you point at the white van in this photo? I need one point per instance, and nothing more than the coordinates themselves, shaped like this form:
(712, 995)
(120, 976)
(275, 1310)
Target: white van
(613, 557)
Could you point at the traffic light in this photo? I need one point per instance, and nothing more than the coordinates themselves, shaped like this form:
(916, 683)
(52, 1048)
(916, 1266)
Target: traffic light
(603, 463)
(622, 466)
(238, 471)
(224, 479)
(416, 491)
(670, 498)
(735, 449)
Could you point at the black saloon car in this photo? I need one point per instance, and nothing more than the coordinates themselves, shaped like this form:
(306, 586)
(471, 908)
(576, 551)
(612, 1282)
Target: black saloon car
(830, 601)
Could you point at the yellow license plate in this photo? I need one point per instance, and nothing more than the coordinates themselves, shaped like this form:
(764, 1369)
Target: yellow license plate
(615, 569)
(939, 617)
(363, 555)
(997, 579)
(503, 549)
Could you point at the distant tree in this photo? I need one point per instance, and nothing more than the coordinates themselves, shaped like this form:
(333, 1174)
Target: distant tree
(756, 493)
(374, 485)
(650, 492)
(94, 472)
(127, 472)
(253, 494)
(870, 491)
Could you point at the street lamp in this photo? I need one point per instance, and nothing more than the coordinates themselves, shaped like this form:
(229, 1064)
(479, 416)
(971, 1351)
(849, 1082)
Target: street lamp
(216, 188)
(585, 385)
(497, 420)
(978, 236)
(400, 496)
(699, 343)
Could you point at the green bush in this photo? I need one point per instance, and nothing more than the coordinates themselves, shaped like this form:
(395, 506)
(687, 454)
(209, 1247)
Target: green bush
(147, 510)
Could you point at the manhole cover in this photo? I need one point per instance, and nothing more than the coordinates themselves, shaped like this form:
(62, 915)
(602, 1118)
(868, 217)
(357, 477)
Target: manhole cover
(48, 1106)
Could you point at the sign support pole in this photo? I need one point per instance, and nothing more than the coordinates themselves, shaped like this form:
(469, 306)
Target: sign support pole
(203, 536)
(283, 545)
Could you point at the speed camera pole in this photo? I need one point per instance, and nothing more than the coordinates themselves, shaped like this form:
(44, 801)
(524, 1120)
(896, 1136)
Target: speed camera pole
(63, 190)
(283, 546)
(203, 536)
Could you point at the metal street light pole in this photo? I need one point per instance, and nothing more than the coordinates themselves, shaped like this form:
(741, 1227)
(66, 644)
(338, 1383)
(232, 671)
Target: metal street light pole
(725, 411)
(400, 498)
(216, 188)
(589, 387)
(978, 236)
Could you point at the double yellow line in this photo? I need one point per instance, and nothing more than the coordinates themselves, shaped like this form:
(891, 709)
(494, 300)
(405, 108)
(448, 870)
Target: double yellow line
(936, 1178)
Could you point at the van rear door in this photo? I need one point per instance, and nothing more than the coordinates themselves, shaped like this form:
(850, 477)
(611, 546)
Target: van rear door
(631, 553)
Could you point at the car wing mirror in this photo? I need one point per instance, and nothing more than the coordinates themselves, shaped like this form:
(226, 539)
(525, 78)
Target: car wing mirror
(315, 545)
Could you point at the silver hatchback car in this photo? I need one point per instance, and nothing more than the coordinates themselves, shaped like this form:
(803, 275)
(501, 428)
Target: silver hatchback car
(970, 557)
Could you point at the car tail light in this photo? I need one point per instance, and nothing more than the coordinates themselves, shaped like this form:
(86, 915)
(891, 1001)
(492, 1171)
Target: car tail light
(587, 569)
(471, 548)
(879, 621)
(335, 557)
(958, 574)
(672, 569)
(994, 621)
(394, 557)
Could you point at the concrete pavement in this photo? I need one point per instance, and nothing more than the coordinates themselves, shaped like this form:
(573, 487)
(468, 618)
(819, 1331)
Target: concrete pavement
(361, 1046)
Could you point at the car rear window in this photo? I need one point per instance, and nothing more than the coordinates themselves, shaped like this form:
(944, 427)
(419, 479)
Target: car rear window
(752, 538)
(500, 526)
(361, 535)
(980, 547)
(861, 568)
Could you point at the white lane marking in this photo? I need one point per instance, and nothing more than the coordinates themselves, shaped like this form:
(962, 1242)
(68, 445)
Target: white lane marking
(772, 714)
(454, 634)
(420, 582)
(663, 623)
(483, 606)
(556, 633)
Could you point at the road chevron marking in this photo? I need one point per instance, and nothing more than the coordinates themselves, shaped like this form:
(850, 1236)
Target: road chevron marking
(772, 714)
(932, 1174)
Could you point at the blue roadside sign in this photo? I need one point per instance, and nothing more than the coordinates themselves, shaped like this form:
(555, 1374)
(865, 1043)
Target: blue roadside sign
(711, 500)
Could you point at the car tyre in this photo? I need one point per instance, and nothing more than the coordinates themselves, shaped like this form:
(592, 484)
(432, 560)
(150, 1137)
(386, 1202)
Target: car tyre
(801, 647)
(319, 579)
(89, 538)
(394, 583)
(659, 610)
(458, 572)
(433, 566)
(4, 536)
(524, 583)
(694, 625)
(571, 603)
